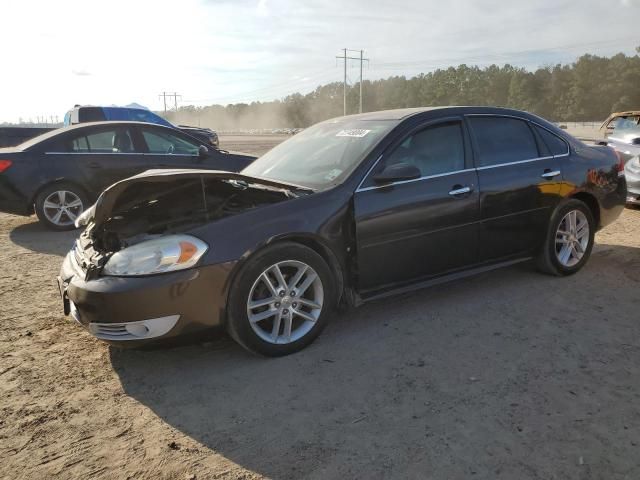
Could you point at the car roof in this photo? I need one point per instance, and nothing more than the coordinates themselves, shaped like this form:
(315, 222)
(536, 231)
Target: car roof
(403, 113)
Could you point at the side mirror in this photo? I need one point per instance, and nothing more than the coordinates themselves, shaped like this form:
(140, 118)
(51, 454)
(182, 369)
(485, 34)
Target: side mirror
(397, 172)
(203, 151)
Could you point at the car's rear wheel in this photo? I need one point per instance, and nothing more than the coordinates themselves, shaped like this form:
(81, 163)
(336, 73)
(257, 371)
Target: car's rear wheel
(57, 206)
(281, 300)
(569, 240)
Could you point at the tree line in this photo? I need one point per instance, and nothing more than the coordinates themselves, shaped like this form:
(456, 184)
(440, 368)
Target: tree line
(586, 90)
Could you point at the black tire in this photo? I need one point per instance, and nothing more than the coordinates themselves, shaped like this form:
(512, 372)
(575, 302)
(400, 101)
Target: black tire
(238, 324)
(547, 260)
(46, 192)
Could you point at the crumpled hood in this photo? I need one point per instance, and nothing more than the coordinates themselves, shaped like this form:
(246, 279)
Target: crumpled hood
(102, 209)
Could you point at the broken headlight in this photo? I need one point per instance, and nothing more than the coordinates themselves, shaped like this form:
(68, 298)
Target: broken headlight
(164, 254)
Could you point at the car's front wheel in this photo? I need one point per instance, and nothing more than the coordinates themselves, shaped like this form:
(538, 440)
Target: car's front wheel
(57, 206)
(281, 300)
(569, 240)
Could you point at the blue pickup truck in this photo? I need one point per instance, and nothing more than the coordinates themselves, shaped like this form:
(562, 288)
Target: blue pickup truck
(89, 113)
(12, 136)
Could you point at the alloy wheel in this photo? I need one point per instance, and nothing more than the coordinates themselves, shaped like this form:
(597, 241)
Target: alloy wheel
(62, 207)
(285, 302)
(572, 238)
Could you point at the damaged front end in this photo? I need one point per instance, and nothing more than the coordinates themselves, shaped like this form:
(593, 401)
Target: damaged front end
(161, 204)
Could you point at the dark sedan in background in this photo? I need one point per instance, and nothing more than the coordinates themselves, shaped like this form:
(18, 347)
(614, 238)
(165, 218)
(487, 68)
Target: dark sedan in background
(60, 173)
(352, 209)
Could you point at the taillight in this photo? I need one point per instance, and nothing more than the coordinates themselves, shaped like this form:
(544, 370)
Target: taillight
(4, 164)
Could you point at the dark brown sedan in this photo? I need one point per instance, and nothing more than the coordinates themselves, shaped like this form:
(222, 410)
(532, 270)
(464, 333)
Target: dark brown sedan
(349, 210)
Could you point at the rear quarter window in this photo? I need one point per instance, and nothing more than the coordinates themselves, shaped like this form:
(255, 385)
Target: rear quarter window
(554, 144)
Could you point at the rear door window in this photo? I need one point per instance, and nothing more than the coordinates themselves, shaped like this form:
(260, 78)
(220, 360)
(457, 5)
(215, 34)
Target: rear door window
(107, 141)
(166, 143)
(501, 140)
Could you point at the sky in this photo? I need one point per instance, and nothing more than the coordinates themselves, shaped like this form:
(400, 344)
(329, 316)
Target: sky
(57, 53)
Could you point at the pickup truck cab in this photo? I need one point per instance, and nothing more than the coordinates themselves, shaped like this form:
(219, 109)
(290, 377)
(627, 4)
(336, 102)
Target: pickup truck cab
(89, 113)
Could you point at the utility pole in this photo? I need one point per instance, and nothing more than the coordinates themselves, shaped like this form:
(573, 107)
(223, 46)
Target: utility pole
(175, 96)
(345, 58)
(164, 97)
(344, 103)
(175, 99)
(361, 53)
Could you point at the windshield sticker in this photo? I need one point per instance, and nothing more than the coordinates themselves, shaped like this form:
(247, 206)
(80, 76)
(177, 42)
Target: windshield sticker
(332, 174)
(355, 132)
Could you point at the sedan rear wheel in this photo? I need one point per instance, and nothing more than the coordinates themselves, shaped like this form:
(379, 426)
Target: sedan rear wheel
(569, 240)
(281, 300)
(58, 206)
(572, 238)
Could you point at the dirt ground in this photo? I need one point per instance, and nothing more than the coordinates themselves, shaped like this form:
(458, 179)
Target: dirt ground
(252, 144)
(507, 375)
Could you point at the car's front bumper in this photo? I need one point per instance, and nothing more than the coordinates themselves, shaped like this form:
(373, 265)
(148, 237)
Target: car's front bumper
(136, 310)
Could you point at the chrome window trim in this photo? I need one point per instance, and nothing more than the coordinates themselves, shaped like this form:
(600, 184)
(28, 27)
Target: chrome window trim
(486, 167)
(427, 177)
(122, 153)
(93, 153)
(366, 175)
(498, 165)
(402, 182)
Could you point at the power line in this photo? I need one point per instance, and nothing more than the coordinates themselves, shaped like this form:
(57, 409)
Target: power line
(496, 56)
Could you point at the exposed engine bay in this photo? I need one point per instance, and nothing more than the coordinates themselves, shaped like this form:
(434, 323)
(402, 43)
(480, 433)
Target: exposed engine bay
(147, 209)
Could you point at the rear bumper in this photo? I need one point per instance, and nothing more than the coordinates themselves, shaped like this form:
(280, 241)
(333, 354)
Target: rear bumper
(12, 201)
(612, 202)
(139, 310)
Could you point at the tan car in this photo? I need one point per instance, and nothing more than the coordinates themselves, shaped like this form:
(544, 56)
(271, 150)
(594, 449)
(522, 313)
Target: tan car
(620, 121)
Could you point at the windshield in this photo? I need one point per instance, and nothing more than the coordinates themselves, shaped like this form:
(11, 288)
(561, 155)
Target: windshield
(626, 134)
(323, 155)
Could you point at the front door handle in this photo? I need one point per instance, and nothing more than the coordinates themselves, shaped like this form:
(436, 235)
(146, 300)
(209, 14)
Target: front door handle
(459, 190)
(94, 165)
(550, 174)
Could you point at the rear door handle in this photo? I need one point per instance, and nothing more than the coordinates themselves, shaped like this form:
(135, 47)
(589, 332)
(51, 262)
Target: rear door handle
(550, 174)
(458, 190)
(94, 165)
